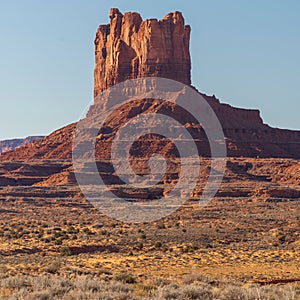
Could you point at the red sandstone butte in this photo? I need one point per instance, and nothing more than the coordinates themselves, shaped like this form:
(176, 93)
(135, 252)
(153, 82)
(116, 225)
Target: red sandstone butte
(130, 48)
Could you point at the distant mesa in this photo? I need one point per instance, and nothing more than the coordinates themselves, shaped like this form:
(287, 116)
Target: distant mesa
(8, 145)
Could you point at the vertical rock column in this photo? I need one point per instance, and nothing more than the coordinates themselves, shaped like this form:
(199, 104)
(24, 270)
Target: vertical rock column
(129, 48)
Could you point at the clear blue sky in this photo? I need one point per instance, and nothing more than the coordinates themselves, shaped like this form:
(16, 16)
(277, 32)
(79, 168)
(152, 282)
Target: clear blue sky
(247, 53)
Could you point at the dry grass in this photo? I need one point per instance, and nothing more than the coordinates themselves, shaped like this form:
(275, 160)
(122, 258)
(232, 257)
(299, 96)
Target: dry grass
(246, 240)
(49, 287)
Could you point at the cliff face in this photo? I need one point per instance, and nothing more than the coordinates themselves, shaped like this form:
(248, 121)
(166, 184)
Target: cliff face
(129, 48)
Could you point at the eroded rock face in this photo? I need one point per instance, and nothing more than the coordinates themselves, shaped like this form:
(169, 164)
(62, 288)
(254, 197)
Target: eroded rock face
(130, 48)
